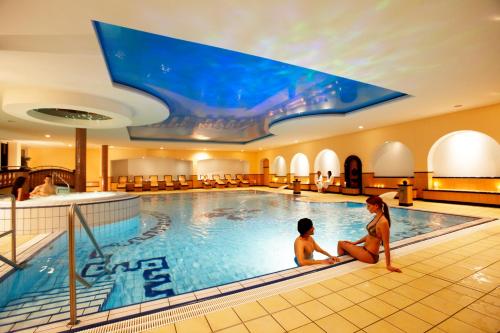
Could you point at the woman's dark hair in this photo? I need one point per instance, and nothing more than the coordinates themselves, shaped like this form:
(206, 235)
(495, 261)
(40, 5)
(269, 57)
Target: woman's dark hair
(329, 174)
(377, 201)
(18, 183)
(304, 225)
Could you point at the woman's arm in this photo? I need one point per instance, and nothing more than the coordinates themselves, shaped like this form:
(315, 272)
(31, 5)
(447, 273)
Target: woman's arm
(19, 194)
(383, 227)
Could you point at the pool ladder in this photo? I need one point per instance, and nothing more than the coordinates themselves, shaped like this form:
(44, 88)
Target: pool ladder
(13, 261)
(73, 213)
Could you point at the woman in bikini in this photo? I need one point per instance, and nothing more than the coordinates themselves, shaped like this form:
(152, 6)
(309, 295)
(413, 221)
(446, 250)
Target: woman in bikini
(378, 232)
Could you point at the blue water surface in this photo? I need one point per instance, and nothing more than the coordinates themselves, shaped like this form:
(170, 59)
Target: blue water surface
(190, 241)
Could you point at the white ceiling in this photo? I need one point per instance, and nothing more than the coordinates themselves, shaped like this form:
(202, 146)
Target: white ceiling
(442, 53)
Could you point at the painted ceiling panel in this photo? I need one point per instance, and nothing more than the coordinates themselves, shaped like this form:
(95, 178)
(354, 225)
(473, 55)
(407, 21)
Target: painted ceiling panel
(219, 95)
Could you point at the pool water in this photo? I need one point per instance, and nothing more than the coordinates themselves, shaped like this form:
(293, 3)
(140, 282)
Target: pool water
(190, 241)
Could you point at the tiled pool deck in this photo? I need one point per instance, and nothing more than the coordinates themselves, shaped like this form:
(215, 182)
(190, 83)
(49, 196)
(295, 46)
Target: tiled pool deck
(448, 284)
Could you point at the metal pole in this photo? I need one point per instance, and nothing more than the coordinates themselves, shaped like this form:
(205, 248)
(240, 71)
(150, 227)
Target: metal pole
(13, 227)
(72, 266)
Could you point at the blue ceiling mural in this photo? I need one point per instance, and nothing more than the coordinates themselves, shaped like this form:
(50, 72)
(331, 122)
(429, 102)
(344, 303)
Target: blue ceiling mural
(218, 95)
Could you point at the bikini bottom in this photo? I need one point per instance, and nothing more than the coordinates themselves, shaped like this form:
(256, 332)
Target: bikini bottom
(373, 255)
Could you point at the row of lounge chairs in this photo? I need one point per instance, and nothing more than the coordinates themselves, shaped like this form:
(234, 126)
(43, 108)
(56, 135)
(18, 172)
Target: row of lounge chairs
(155, 183)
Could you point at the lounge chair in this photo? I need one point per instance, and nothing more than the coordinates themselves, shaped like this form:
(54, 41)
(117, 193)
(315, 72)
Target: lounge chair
(219, 183)
(153, 183)
(169, 184)
(243, 182)
(230, 182)
(122, 183)
(182, 182)
(206, 182)
(138, 183)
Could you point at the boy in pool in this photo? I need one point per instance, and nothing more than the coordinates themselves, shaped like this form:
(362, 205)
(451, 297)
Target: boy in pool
(305, 245)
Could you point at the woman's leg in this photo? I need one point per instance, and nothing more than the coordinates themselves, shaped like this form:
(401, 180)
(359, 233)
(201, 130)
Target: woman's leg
(357, 252)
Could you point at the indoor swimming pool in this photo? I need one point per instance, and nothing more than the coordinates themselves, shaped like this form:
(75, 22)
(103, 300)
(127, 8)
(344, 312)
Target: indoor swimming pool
(185, 242)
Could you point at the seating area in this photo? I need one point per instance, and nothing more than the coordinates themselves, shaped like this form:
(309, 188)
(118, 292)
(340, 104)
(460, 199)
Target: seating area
(167, 182)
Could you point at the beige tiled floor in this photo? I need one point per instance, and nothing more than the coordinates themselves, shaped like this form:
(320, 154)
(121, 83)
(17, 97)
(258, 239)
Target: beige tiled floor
(452, 286)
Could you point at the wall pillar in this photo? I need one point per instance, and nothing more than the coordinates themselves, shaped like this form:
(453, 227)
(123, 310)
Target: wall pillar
(104, 168)
(422, 181)
(80, 159)
(14, 154)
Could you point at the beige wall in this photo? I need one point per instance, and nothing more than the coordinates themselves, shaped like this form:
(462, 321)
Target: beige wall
(418, 136)
(65, 157)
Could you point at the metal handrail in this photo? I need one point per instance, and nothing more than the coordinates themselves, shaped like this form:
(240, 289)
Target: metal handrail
(63, 180)
(74, 211)
(12, 232)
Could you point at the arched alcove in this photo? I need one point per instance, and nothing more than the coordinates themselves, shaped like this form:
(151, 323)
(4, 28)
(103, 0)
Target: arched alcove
(299, 166)
(327, 160)
(465, 154)
(393, 159)
(279, 166)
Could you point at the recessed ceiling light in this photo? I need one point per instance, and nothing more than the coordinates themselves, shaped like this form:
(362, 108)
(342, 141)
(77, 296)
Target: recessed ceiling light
(111, 146)
(47, 135)
(387, 142)
(70, 145)
(296, 141)
(162, 148)
(361, 127)
(457, 106)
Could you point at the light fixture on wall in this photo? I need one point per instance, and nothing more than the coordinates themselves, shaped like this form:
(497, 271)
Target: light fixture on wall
(361, 127)
(47, 135)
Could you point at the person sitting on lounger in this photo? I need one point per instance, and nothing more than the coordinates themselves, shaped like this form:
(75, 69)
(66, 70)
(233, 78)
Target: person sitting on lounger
(378, 232)
(305, 245)
(44, 190)
(329, 181)
(319, 181)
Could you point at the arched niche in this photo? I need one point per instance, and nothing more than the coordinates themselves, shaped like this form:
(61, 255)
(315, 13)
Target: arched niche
(299, 166)
(279, 166)
(393, 159)
(327, 160)
(220, 167)
(464, 154)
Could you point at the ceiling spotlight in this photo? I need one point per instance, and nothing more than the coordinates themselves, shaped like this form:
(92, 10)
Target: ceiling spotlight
(360, 126)
(162, 148)
(47, 135)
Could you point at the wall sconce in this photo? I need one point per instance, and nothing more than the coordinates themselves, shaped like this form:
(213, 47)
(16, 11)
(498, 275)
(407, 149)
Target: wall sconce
(436, 185)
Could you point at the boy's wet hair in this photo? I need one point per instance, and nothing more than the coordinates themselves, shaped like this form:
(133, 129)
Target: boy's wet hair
(304, 225)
